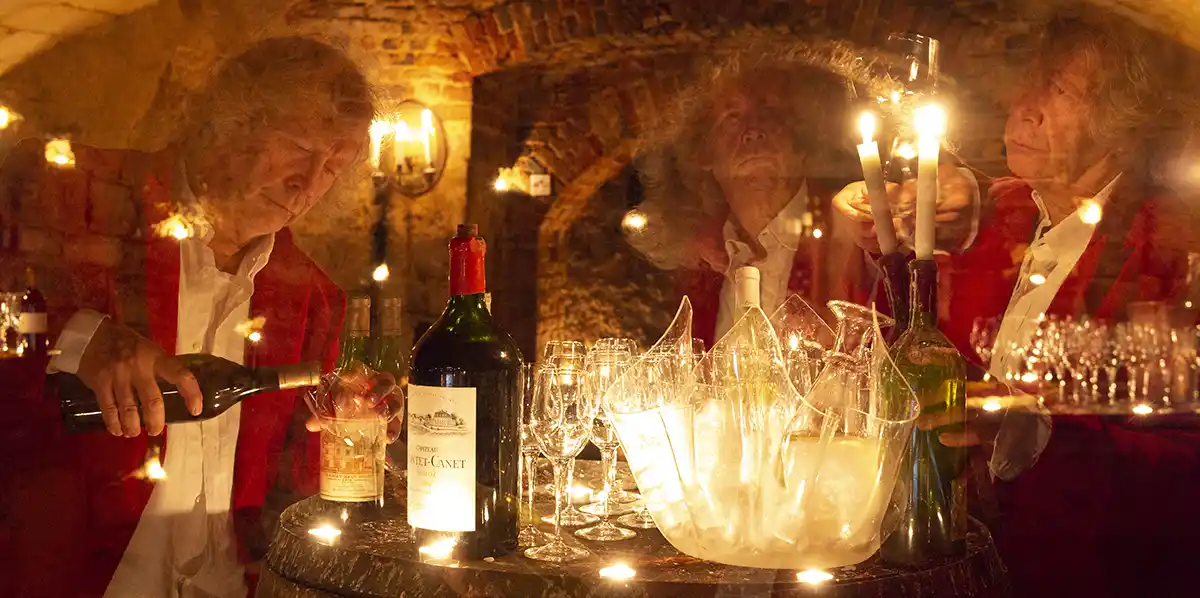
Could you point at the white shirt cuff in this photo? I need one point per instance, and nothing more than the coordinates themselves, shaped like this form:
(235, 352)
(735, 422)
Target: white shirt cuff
(74, 340)
(1020, 441)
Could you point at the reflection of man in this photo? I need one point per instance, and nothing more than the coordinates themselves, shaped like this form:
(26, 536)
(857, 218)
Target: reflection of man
(727, 188)
(1082, 229)
(278, 124)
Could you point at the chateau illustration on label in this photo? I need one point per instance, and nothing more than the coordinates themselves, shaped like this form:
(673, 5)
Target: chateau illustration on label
(440, 423)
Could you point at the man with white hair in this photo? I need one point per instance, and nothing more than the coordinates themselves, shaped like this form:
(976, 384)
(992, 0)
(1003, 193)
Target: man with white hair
(266, 141)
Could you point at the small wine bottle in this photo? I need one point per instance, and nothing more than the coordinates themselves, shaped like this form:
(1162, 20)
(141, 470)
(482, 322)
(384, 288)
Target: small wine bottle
(223, 384)
(356, 333)
(33, 317)
(747, 288)
(463, 420)
(932, 479)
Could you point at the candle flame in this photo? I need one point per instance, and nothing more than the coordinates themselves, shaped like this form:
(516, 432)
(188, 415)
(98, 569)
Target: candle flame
(1143, 409)
(58, 152)
(174, 226)
(254, 337)
(500, 184)
(6, 117)
(1037, 279)
(402, 133)
(930, 121)
(866, 126)
(325, 533)
(427, 122)
(381, 273)
(992, 405)
(813, 576)
(817, 233)
(618, 571)
(252, 328)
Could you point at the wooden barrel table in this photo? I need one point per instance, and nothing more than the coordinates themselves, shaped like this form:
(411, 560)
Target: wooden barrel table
(374, 556)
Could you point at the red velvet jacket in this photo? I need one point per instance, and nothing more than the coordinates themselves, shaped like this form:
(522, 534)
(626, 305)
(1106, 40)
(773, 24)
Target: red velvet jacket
(303, 311)
(1109, 508)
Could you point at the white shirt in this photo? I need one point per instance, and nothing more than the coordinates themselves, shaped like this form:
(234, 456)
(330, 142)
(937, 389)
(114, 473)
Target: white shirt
(1051, 257)
(780, 238)
(184, 545)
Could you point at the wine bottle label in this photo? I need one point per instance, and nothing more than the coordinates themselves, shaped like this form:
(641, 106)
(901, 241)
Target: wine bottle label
(33, 323)
(441, 458)
(352, 457)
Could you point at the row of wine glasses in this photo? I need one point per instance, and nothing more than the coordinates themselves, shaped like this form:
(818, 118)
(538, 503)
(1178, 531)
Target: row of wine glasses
(1096, 366)
(562, 412)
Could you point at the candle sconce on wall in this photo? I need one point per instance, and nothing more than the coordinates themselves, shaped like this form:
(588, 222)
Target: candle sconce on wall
(409, 149)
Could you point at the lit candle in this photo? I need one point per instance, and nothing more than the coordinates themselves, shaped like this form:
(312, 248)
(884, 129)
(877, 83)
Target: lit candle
(868, 154)
(930, 124)
(427, 135)
(377, 131)
(402, 137)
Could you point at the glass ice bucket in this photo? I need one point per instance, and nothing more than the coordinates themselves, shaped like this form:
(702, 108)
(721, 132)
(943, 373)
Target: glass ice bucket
(737, 467)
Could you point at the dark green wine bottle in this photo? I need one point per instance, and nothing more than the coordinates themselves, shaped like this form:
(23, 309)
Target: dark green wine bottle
(931, 480)
(223, 384)
(463, 420)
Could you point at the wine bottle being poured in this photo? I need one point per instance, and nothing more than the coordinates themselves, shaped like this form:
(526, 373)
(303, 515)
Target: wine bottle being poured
(223, 384)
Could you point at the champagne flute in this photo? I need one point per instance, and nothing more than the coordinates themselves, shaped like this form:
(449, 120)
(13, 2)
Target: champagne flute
(604, 366)
(530, 535)
(561, 421)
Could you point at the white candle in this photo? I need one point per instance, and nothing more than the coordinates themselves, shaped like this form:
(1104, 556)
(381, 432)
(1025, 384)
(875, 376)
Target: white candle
(868, 154)
(930, 123)
(402, 137)
(427, 135)
(377, 131)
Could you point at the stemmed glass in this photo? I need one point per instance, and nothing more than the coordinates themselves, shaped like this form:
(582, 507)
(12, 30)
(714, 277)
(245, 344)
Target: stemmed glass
(568, 356)
(561, 421)
(616, 494)
(530, 535)
(604, 366)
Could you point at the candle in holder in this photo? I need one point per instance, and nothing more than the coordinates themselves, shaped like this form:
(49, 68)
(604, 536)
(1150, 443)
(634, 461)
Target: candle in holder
(402, 138)
(377, 131)
(930, 125)
(868, 154)
(427, 135)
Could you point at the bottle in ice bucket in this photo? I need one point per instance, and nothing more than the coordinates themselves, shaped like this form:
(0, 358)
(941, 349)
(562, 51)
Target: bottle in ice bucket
(463, 416)
(931, 480)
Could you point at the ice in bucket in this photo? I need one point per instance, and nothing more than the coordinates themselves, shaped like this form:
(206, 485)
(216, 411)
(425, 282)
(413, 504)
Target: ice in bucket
(737, 467)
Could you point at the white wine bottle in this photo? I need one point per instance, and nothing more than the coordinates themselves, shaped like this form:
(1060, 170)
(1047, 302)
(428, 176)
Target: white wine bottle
(223, 384)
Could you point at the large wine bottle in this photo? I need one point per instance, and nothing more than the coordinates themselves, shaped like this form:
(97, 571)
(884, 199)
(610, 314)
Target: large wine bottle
(223, 384)
(463, 412)
(932, 479)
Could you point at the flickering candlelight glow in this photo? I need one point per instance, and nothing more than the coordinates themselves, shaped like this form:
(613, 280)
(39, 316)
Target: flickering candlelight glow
(930, 121)
(401, 136)
(906, 151)
(866, 126)
(1143, 409)
(500, 185)
(252, 328)
(58, 153)
(381, 273)
(817, 233)
(439, 550)
(1037, 279)
(174, 226)
(154, 469)
(254, 337)
(378, 129)
(1091, 212)
(7, 117)
(325, 533)
(634, 221)
(618, 571)
(813, 576)
(427, 134)
(992, 405)
(1029, 377)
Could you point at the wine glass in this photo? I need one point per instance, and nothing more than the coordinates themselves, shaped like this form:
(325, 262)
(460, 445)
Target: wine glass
(530, 535)
(604, 366)
(568, 356)
(561, 421)
(563, 349)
